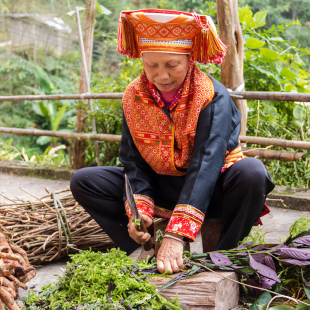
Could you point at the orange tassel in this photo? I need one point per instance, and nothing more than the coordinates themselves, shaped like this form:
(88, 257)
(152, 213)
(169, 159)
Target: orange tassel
(127, 39)
(207, 47)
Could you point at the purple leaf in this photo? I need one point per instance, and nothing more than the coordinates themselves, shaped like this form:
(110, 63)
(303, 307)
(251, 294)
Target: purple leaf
(245, 245)
(263, 270)
(296, 262)
(307, 284)
(266, 282)
(303, 240)
(269, 262)
(149, 270)
(302, 254)
(242, 254)
(259, 257)
(220, 259)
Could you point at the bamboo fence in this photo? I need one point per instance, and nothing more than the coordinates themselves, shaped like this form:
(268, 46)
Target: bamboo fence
(250, 95)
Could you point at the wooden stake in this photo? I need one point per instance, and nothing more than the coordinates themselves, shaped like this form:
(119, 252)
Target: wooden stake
(232, 66)
(79, 147)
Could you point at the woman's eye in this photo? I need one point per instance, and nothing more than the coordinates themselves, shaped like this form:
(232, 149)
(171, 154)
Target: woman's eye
(172, 65)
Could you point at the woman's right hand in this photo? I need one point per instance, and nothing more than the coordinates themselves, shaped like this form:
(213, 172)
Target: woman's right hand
(139, 236)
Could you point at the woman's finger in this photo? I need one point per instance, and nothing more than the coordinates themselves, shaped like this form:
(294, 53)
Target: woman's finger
(174, 266)
(160, 266)
(168, 267)
(180, 263)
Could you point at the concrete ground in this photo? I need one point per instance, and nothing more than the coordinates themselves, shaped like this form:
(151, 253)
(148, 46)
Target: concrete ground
(276, 224)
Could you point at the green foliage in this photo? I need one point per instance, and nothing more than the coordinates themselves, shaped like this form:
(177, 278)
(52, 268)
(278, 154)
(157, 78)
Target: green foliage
(300, 225)
(90, 277)
(51, 156)
(273, 64)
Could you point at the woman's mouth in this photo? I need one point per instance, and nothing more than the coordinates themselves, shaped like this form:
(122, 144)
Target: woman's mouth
(168, 85)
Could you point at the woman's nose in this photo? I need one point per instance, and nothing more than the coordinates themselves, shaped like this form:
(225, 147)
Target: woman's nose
(162, 74)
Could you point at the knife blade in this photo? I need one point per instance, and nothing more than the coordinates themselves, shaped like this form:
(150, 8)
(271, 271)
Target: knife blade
(131, 200)
(136, 216)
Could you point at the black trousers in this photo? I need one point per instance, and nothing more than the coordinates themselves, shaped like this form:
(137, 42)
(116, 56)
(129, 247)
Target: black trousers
(238, 199)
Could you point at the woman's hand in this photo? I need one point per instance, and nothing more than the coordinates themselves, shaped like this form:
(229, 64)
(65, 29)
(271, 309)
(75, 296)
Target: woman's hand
(139, 236)
(169, 256)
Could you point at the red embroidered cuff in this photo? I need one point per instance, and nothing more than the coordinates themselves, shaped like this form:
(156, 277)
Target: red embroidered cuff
(145, 205)
(185, 221)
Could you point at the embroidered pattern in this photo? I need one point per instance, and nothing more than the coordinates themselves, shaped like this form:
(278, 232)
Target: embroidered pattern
(232, 157)
(177, 28)
(145, 205)
(185, 221)
(160, 101)
(167, 146)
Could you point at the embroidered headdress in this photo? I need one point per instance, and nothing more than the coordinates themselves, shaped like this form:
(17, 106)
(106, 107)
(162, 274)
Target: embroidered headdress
(169, 31)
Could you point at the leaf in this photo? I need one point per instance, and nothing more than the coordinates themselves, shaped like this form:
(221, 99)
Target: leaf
(246, 245)
(263, 270)
(58, 118)
(80, 8)
(259, 257)
(270, 263)
(269, 54)
(282, 307)
(287, 73)
(261, 302)
(254, 43)
(296, 262)
(179, 277)
(247, 270)
(299, 113)
(220, 259)
(43, 108)
(277, 39)
(45, 82)
(302, 306)
(244, 12)
(260, 18)
(43, 140)
(303, 240)
(301, 254)
(102, 10)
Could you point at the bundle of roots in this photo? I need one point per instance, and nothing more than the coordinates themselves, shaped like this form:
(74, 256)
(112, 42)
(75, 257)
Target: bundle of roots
(15, 271)
(50, 227)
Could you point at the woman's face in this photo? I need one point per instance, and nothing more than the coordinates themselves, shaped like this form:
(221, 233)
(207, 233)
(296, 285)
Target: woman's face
(165, 70)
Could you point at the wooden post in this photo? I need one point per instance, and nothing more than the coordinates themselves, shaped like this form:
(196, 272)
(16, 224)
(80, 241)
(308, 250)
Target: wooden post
(232, 66)
(79, 147)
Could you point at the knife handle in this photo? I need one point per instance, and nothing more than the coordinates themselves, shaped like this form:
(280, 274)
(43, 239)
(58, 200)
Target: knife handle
(148, 245)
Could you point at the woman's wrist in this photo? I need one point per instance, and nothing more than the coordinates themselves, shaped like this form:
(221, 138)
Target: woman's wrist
(175, 235)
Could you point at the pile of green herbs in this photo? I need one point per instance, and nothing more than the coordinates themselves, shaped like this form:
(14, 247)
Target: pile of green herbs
(114, 281)
(95, 280)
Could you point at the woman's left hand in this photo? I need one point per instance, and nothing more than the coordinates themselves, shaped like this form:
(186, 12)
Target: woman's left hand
(169, 256)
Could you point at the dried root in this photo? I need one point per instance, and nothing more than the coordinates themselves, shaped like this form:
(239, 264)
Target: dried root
(15, 271)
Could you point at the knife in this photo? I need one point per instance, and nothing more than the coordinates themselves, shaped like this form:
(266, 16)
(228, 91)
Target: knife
(137, 218)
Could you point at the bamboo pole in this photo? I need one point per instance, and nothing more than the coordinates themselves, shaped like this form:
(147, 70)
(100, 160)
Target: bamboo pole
(302, 145)
(59, 134)
(87, 80)
(272, 154)
(250, 95)
(79, 147)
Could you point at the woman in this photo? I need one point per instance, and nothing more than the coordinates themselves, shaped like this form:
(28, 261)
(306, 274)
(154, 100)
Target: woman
(179, 145)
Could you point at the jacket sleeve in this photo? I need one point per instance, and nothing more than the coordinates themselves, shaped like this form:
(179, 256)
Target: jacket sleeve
(218, 124)
(140, 174)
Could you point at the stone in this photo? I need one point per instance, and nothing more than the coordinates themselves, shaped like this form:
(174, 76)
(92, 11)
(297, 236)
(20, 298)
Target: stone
(205, 291)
